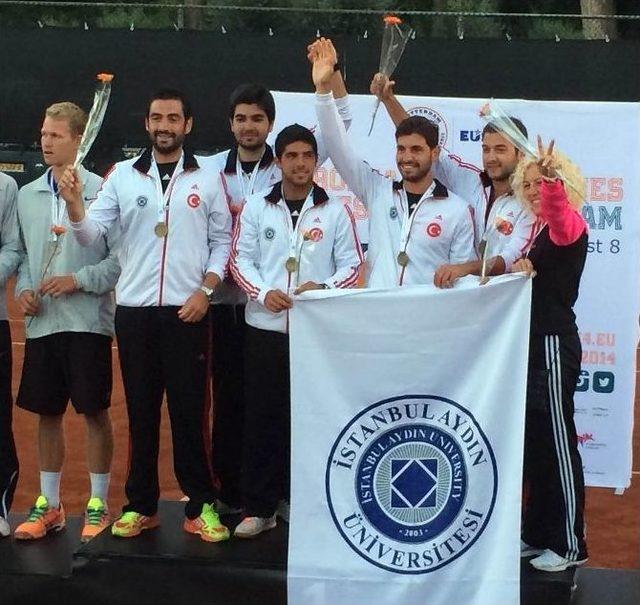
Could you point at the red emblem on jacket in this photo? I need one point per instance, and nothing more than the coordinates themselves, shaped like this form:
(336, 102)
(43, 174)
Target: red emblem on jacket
(434, 230)
(504, 227)
(193, 200)
(315, 234)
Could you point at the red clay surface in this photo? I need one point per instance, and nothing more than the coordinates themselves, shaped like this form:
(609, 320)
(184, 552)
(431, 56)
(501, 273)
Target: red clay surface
(613, 521)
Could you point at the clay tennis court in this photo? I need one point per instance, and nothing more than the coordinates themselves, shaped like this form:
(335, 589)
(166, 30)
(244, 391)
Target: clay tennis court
(613, 522)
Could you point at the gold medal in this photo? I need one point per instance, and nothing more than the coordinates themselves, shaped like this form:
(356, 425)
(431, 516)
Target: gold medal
(161, 229)
(403, 259)
(291, 264)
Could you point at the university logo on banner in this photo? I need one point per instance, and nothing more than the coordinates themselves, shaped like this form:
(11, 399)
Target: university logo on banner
(420, 480)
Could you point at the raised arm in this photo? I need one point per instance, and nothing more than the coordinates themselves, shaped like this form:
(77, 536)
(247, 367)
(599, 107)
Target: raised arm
(358, 175)
(341, 98)
(382, 88)
(566, 224)
(103, 213)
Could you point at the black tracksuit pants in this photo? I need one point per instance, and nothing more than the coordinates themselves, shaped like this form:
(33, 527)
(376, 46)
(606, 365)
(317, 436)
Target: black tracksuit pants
(159, 352)
(266, 459)
(8, 457)
(227, 368)
(553, 515)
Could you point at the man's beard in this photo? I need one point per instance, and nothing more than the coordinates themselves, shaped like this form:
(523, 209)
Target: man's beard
(253, 147)
(503, 173)
(166, 149)
(417, 176)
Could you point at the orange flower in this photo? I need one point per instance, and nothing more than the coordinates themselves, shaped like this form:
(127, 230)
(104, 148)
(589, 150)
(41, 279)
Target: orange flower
(104, 77)
(391, 20)
(58, 229)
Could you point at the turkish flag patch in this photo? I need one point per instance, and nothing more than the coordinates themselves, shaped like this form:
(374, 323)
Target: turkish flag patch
(193, 200)
(434, 229)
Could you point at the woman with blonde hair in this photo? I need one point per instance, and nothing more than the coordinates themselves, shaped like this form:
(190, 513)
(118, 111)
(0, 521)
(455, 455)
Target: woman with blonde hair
(553, 517)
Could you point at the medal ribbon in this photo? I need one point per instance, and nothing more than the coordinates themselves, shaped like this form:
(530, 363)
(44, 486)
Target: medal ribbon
(294, 237)
(407, 221)
(247, 187)
(163, 197)
(58, 210)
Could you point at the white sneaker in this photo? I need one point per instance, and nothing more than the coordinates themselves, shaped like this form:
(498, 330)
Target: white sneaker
(222, 508)
(283, 510)
(551, 561)
(5, 530)
(252, 526)
(529, 551)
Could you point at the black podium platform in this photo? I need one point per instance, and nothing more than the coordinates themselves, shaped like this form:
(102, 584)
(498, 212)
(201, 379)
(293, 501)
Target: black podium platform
(166, 566)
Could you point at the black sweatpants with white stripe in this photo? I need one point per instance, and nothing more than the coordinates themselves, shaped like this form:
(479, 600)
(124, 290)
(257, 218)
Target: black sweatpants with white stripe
(8, 457)
(160, 353)
(553, 515)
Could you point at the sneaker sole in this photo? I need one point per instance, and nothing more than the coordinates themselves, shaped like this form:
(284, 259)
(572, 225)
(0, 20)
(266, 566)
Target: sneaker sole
(558, 568)
(247, 535)
(207, 538)
(84, 539)
(54, 529)
(133, 535)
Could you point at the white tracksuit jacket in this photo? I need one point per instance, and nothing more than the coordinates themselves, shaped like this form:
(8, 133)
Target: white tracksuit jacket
(510, 227)
(440, 230)
(161, 271)
(324, 243)
(238, 186)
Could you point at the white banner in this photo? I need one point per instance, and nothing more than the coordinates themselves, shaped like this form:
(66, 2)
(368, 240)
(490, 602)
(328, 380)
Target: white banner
(407, 432)
(604, 139)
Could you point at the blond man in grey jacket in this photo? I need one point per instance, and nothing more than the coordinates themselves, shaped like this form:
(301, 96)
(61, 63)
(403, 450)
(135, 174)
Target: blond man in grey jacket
(65, 291)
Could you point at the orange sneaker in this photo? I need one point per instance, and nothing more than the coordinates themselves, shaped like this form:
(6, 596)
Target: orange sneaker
(41, 520)
(207, 525)
(96, 518)
(132, 524)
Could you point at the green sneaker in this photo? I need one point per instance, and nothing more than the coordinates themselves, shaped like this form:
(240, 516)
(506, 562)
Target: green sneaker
(207, 525)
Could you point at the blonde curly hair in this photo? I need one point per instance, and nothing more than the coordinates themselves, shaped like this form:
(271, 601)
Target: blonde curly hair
(570, 172)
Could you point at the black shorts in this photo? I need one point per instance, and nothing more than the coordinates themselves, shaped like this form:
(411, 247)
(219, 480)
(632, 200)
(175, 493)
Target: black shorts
(63, 366)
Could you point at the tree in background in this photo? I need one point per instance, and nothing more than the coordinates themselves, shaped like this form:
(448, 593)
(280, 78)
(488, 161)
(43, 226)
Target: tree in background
(194, 16)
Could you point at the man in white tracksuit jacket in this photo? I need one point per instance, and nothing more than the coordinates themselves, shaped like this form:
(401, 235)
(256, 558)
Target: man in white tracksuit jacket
(287, 240)
(502, 223)
(175, 244)
(415, 225)
(247, 168)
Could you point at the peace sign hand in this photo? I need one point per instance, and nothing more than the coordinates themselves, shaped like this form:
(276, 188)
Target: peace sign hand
(547, 162)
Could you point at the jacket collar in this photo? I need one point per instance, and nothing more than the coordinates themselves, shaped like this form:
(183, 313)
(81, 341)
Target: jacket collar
(143, 163)
(440, 191)
(275, 195)
(232, 159)
(42, 182)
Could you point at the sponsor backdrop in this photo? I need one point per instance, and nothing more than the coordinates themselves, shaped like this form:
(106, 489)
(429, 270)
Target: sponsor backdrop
(407, 445)
(603, 139)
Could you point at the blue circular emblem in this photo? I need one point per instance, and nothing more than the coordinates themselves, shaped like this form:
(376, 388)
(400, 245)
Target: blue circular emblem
(269, 233)
(141, 201)
(393, 212)
(411, 483)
